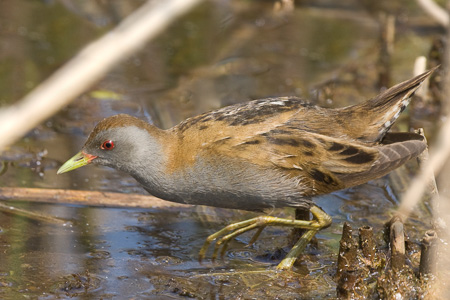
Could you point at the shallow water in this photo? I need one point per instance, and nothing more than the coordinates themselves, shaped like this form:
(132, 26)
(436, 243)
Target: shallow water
(223, 52)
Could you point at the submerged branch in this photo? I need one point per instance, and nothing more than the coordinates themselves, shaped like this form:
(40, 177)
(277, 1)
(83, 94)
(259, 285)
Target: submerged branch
(31, 215)
(88, 198)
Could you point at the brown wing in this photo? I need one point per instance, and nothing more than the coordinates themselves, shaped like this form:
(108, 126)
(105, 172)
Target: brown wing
(321, 164)
(317, 161)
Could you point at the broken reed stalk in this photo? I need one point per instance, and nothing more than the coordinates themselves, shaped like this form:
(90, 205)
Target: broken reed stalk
(367, 243)
(428, 253)
(347, 250)
(347, 271)
(347, 283)
(397, 242)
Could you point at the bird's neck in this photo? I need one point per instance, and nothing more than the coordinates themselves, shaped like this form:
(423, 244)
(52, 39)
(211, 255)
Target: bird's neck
(149, 162)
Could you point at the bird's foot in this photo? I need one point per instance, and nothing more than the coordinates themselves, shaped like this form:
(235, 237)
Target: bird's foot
(224, 236)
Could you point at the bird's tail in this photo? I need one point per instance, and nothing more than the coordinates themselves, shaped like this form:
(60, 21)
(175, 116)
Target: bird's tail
(383, 110)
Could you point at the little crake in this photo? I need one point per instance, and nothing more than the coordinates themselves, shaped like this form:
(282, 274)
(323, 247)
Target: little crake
(276, 152)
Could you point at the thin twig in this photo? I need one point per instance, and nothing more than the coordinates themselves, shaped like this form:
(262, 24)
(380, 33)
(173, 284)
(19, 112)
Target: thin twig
(88, 67)
(435, 11)
(431, 190)
(420, 66)
(438, 156)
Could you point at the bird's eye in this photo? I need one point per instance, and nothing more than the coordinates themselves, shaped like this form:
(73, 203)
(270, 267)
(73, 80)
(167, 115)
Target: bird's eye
(107, 145)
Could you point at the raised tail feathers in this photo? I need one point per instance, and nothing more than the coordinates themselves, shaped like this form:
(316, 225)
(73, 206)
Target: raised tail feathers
(386, 107)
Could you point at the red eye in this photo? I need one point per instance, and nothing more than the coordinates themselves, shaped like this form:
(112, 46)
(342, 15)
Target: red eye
(107, 145)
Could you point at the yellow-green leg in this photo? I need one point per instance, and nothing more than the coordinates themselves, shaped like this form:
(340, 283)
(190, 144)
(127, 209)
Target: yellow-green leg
(321, 220)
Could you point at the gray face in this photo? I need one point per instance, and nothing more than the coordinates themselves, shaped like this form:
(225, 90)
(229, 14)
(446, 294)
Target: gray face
(123, 148)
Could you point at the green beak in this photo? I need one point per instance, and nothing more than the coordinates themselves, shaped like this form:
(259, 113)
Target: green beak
(78, 160)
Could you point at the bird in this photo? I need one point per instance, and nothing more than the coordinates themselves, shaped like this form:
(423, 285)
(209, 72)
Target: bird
(259, 155)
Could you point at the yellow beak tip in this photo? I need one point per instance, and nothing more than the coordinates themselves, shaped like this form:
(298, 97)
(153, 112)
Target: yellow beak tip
(78, 160)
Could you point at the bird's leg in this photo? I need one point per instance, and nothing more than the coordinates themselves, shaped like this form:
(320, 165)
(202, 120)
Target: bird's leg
(233, 230)
(255, 236)
(228, 233)
(226, 239)
(323, 220)
(296, 233)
